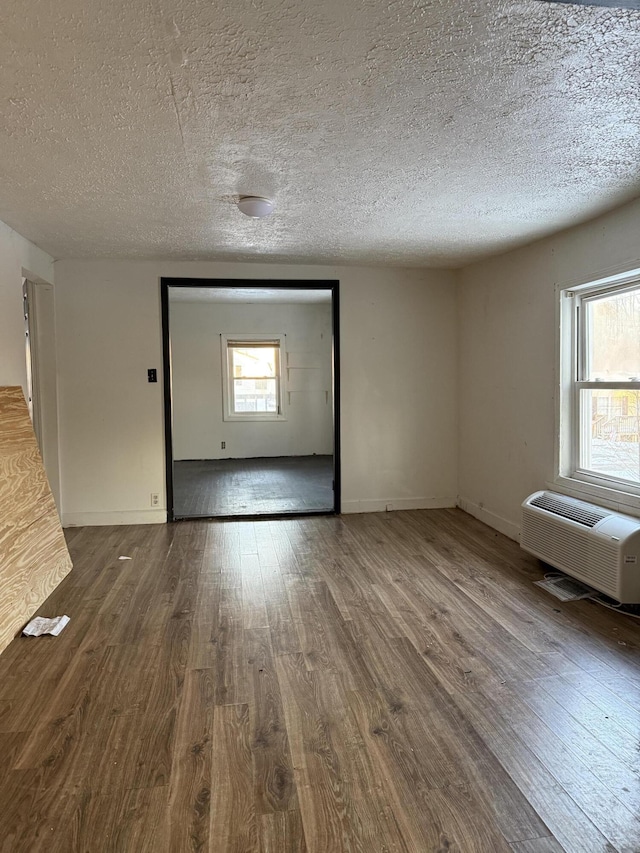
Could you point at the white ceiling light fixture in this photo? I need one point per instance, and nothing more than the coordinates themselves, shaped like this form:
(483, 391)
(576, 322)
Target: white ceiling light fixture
(255, 206)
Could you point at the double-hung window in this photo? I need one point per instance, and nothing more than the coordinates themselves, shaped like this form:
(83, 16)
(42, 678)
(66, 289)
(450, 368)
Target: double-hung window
(252, 377)
(601, 328)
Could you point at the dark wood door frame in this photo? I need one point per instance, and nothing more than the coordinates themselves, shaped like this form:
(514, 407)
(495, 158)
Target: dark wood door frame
(289, 284)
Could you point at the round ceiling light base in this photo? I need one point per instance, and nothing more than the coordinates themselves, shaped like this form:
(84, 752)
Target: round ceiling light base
(255, 206)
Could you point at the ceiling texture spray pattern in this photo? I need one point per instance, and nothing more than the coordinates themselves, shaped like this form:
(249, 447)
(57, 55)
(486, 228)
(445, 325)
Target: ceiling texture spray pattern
(409, 133)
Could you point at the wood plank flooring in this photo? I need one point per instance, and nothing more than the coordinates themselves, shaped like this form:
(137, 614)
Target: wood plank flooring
(388, 683)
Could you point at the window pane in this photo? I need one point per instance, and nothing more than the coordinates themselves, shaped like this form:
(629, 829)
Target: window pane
(254, 361)
(255, 395)
(613, 337)
(610, 427)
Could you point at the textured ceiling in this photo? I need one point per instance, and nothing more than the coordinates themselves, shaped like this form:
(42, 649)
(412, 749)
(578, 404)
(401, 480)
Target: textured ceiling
(386, 131)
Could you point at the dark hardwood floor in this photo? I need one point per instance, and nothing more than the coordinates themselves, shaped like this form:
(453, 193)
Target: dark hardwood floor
(373, 683)
(259, 486)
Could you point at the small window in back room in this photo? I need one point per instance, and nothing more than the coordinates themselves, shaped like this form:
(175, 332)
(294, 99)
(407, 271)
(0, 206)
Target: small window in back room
(253, 377)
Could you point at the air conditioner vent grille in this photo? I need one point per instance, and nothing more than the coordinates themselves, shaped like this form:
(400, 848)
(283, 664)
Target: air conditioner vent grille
(569, 509)
(558, 544)
(603, 566)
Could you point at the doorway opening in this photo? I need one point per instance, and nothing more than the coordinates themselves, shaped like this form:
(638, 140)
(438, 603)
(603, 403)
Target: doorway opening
(42, 382)
(251, 388)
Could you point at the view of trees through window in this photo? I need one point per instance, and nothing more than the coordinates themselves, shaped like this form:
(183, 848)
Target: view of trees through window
(611, 416)
(255, 379)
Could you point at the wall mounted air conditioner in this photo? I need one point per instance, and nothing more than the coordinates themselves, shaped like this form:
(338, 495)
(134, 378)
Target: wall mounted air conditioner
(595, 545)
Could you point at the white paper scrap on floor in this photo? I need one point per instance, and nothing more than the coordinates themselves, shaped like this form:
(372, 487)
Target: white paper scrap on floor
(40, 625)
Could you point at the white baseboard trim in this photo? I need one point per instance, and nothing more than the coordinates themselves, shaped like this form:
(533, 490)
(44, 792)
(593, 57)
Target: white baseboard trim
(101, 519)
(393, 504)
(491, 518)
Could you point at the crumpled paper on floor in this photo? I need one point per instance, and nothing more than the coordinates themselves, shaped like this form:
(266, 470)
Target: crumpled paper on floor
(40, 625)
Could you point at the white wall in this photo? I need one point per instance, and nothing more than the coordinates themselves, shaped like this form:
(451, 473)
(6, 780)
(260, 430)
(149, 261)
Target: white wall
(43, 334)
(507, 375)
(196, 358)
(17, 258)
(399, 421)
(398, 384)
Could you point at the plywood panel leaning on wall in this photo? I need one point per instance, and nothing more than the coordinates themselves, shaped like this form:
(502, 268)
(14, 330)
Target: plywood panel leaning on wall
(33, 552)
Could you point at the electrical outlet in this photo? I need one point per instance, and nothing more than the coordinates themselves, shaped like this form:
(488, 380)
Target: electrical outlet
(223, 445)
(155, 499)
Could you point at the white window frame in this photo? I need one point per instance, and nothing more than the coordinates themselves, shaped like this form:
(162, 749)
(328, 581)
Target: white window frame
(570, 476)
(227, 378)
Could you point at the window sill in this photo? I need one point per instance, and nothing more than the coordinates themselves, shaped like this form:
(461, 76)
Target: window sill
(624, 502)
(263, 418)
